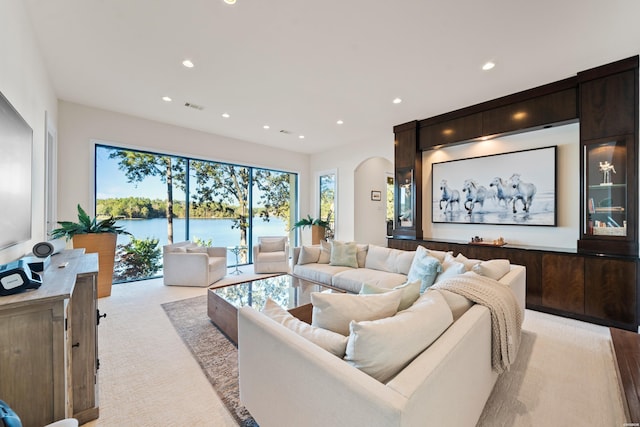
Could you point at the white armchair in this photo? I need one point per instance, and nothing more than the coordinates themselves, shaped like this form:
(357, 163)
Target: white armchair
(271, 255)
(187, 264)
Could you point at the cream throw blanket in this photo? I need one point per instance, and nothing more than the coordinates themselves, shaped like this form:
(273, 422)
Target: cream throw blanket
(506, 316)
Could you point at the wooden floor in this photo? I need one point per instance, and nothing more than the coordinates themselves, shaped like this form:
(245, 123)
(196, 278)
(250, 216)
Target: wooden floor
(626, 346)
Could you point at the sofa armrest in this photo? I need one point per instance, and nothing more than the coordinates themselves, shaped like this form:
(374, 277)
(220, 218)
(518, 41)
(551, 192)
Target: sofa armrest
(181, 268)
(455, 368)
(217, 251)
(516, 279)
(326, 390)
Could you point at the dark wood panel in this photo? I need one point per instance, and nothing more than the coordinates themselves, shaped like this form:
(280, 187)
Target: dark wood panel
(451, 131)
(405, 146)
(610, 289)
(408, 161)
(608, 105)
(543, 111)
(563, 282)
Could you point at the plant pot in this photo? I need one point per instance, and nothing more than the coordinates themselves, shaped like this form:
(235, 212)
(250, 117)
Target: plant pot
(317, 233)
(104, 244)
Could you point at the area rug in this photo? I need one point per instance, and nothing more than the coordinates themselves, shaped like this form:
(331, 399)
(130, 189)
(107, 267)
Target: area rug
(215, 354)
(564, 373)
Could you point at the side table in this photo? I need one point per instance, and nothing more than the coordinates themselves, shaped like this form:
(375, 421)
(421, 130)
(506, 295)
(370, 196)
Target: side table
(236, 250)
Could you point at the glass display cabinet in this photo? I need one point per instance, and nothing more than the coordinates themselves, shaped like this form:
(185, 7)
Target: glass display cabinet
(405, 198)
(609, 204)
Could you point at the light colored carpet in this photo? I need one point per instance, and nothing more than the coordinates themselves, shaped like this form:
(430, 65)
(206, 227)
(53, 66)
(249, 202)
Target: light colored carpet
(565, 374)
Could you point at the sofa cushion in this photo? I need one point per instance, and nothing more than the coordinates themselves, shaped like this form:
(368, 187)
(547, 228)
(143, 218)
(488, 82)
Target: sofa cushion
(495, 268)
(334, 311)
(388, 259)
(468, 263)
(440, 255)
(330, 341)
(320, 273)
(325, 252)
(410, 292)
(457, 303)
(361, 254)
(308, 254)
(382, 348)
(351, 280)
(272, 244)
(343, 254)
(196, 250)
(424, 268)
(450, 268)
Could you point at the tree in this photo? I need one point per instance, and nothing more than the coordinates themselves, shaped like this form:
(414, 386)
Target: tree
(275, 194)
(138, 165)
(138, 259)
(222, 186)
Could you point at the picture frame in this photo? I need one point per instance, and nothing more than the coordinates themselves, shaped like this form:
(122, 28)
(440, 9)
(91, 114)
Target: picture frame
(376, 196)
(515, 188)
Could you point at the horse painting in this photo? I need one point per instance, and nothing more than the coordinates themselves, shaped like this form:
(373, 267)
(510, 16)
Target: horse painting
(449, 196)
(524, 191)
(475, 194)
(504, 190)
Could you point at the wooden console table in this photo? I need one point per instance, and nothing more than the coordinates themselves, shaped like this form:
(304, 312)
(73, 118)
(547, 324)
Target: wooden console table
(49, 345)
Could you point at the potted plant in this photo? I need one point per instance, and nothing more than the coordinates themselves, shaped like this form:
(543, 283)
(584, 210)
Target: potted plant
(95, 236)
(318, 228)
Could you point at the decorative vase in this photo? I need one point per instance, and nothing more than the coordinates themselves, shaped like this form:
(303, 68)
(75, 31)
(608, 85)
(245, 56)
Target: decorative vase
(104, 244)
(317, 234)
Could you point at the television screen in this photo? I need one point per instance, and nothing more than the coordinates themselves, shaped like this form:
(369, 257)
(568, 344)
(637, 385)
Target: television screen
(16, 138)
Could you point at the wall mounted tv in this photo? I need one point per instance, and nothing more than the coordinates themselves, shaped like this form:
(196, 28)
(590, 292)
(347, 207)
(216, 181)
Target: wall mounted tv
(16, 139)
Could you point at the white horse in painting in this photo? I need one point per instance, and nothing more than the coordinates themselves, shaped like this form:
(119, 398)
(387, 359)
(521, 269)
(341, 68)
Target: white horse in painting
(475, 194)
(449, 196)
(524, 191)
(504, 190)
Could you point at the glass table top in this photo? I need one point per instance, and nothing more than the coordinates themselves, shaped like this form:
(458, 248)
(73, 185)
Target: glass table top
(288, 291)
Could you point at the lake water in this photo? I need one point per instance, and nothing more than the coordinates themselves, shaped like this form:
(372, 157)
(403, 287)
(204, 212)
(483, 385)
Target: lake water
(218, 230)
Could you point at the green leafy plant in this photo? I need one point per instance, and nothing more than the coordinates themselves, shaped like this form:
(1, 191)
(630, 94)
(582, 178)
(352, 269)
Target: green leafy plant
(308, 222)
(138, 259)
(86, 225)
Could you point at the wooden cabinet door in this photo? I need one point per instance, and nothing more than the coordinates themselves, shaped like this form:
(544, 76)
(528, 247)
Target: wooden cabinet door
(563, 282)
(610, 289)
(84, 348)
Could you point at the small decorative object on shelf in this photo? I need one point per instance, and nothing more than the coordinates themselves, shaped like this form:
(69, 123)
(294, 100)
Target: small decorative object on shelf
(479, 241)
(476, 239)
(606, 168)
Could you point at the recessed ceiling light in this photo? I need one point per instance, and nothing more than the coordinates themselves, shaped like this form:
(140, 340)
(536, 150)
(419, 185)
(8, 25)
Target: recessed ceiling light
(339, 122)
(226, 115)
(301, 136)
(265, 127)
(166, 99)
(397, 101)
(230, 1)
(187, 63)
(489, 65)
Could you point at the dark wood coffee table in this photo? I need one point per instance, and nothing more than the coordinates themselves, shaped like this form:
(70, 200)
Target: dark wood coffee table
(290, 292)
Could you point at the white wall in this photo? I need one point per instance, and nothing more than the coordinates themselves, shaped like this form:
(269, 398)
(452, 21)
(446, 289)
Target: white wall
(564, 236)
(79, 126)
(25, 83)
(346, 160)
(370, 224)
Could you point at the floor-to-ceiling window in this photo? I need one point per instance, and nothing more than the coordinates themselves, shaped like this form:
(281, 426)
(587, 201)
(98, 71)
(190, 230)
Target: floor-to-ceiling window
(327, 200)
(163, 199)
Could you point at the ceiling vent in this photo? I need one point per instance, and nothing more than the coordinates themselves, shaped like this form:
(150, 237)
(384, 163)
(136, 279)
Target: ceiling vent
(194, 106)
(286, 132)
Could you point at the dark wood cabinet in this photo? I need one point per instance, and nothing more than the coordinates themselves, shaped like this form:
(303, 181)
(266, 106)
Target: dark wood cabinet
(610, 290)
(408, 182)
(451, 131)
(563, 282)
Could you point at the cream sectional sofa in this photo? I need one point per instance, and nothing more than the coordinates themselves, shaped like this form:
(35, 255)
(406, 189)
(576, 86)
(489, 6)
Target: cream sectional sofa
(287, 380)
(379, 266)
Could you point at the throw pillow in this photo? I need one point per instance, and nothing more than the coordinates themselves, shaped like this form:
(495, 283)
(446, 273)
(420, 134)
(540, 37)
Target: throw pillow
(389, 259)
(468, 263)
(410, 292)
(308, 254)
(330, 341)
(361, 255)
(272, 244)
(325, 252)
(495, 268)
(343, 254)
(197, 250)
(334, 311)
(450, 268)
(440, 255)
(382, 348)
(424, 267)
